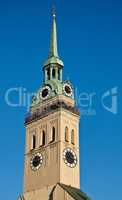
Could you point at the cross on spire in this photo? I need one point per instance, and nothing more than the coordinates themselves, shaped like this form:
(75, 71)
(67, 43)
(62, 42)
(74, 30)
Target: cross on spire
(54, 11)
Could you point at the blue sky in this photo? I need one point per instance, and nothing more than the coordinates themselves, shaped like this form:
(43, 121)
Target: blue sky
(90, 44)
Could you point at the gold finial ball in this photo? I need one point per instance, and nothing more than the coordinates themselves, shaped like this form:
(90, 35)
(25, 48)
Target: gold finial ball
(54, 15)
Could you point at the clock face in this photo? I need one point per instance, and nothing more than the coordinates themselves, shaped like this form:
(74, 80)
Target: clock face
(36, 161)
(67, 89)
(45, 92)
(69, 157)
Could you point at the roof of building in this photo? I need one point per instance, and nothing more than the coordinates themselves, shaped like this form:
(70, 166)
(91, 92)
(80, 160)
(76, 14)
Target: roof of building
(75, 193)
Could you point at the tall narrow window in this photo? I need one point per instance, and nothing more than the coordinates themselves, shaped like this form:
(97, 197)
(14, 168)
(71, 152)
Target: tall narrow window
(66, 134)
(53, 73)
(58, 74)
(53, 134)
(34, 141)
(48, 73)
(44, 77)
(43, 138)
(72, 137)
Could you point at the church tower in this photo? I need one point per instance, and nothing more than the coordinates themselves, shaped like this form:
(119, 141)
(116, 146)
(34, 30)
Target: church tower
(51, 168)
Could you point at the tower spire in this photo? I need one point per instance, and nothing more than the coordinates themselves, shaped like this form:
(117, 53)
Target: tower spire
(53, 57)
(53, 42)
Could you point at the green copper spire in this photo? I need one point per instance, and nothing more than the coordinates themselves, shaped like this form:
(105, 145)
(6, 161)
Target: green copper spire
(53, 42)
(53, 57)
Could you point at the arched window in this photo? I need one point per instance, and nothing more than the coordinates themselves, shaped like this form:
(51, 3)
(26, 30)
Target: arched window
(66, 134)
(72, 137)
(48, 73)
(34, 142)
(59, 74)
(53, 73)
(53, 134)
(43, 138)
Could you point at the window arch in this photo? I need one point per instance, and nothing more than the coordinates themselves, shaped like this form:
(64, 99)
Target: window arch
(43, 138)
(72, 136)
(33, 142)
(66, 134)
(48, 73)
(53, 134)
(53, 72)
(59, 74)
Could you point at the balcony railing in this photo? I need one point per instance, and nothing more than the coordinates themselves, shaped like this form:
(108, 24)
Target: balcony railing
(45, 111)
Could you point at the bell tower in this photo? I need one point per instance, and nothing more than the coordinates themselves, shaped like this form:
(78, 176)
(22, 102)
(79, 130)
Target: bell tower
(52, 131)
